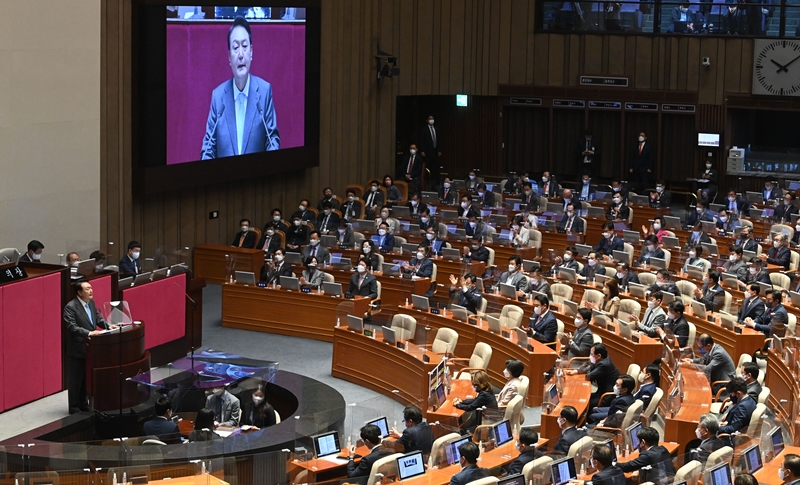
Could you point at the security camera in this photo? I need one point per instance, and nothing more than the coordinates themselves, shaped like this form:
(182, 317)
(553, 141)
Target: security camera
(706, 62)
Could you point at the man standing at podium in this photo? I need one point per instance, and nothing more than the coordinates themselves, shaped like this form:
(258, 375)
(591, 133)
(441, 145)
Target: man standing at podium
(83, 321)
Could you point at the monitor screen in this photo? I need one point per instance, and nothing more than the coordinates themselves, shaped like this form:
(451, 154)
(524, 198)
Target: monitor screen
(518, 479)
(777, 440)
(502, 433)
(708, 139)
(613, 448)
(327, 444)
(634, 439)
(440, 394)
(752, 459)
(720, 474)
(451, 450)
(563, 471)
(410, 465)
(382, 424)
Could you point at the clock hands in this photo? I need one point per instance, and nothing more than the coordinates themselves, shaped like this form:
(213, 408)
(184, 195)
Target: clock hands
(783, 67)
(787, 65)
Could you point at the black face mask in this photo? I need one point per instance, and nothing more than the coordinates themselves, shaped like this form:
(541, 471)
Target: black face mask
(734, 398)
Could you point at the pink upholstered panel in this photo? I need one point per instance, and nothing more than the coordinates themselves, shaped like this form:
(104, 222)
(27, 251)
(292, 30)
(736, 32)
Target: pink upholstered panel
(51, 337)
(102, 291)
(160, 305)
(2, 392)
(23, 329)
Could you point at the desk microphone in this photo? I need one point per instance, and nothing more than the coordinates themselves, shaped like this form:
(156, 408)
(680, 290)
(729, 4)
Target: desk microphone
(214, 130)
(264, 123)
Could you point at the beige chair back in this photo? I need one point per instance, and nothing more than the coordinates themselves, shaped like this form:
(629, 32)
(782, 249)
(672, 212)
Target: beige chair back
(794, 260)
(583, 445)
(649, 279)
(378, 282)
(633, 371)
(653, 406)
(692, 335)
(481, 356)
(632, 414)
(629, 250)
(490, 260)
(511, 316)
(561, 292)
(535, 238)
(523, 386)
(445, 341)
(686, 287)
(723, 454)
(689, 472)
(437, 449)
(784, 229)
(792, 325)
(780, 279)
(755, 420)
(630, 216)
(514, 411)
(482, 306)
(726, 304)
(405, 326)
(611, 271)
(328, 278)
(628, 307)
(592, 296)
(596, 339)
(763, 397)
(538, 468)
(399, 241)
(434, 272)
(386, 465)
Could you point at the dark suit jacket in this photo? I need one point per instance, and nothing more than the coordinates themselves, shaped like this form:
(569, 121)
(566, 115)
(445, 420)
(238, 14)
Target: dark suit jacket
(298, 236)
(256, 420)
(773, 194)
(742, 206)
(605, 374)
(619, 404)
(718, 364)
(713, 297)
(468, 474)
(580, 147)
(780, 256)
(249, 240)
(161, 427)
(469, 300)
(552, 189)
(331, 225)
(662, 200)
(79, 326)
(645, 394)
(268, 276)
(612, 475)
(578, 192)
(373, 199)
(260, 126)
(751, 308)
(306, 216)
(577, 224)
(388, 241)
(568, 437)
(425, 267)
(416, 168)
(623, 192)
(707, 447)
(784, 214)
(670, 287)
(447, 196)
(622, 213)
(749, 245)
(532, 201)
(644, 257)
(581, 343)
(480, 254)
(590, 271)
(679, 328)
(323, 255)
(695, 241)
(760, 277)
(426, 140)
(484, 398)
(764, 322)
(608, 246)
(130, 266)
(368, 288)
(545, 327)
(488, 199)
(364, 467)
(417, 438)
(656, 456)
(739, 415)
(420, 206)
(334, 204)
(631, 277)
(27, 259)
(523, 459)
(351, 210)
(273, 245)
(644, 161)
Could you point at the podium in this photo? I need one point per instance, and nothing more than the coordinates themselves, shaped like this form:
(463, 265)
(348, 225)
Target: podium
(111, 358)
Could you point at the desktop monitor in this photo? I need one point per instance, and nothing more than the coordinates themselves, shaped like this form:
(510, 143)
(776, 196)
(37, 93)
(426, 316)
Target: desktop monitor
(382, 424)
(502, 432)
(553, 393)
(420, 302)
(752, 459)
(508, 291)
(389, 335)
(441, 396)
(776, 437)
(451, 450)
(563, 471)
(518, 479)
(332, 289)
(326, 444)
(410, 465)
(720, 475)
(633, 438)
(612, 447)
(246, 278)
(355, 323)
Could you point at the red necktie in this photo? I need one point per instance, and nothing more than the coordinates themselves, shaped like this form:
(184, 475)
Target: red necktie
(314, 252)
(640, 148)
(241, 240)
(410, 164)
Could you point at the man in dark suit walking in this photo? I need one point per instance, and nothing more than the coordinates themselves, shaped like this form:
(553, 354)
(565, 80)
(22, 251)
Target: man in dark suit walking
(83, 321)
(431, 146)
(642, 162)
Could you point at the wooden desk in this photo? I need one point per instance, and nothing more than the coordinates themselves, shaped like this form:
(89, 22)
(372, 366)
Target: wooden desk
(207, 479)
(735, 344)
(537, 361)
(681, 426)
(577, 391)
(783, 395)
(394, 289)
(497, 457)
(216, 262)
(769, 472)
(293, 313)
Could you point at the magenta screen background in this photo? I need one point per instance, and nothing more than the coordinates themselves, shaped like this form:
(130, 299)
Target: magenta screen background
(197, 62)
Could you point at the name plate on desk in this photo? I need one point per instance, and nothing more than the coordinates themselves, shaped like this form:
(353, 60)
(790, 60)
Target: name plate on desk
(435, 311)
(305, 290)
(369, 333)
(425, 358)
(261, 284)
(12, 274)
(505, 334)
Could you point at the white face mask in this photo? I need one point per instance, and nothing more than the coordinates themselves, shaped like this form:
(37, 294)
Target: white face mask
(414, 203)
(651, 304)
(420, 255)
(567, 257)
(700, 436)
(617, 200)
(656, 226)
(593, 359)
(544, 179)
(279, 257)
(708, 165)
(297, 223)
(276, 218)
(777, 244)
(384, 215)
(382, 232)
(732, 198)
(135, 255)
(447, 185)
(481, 194)
(570, 213)
(585, 181)
(327, 212)
(351, 198)
(430, 122)
(374, 188)
(473, 224)
(430, 236)
(367, 249)
(578, 322)
(782, 474)
(314, 242)
(413, 151)
(692, 254)
(472, 177)
(98, 267)
(608, 235)
(507, 374)
(464, 205)
(537, 310)
(753, 271)
(732, 258)
(270, 232)
(245, 228)
(642, 377)
(302, 208)
(37, 257)
(641, 139)
(723, 218)
(661, 284)
(512, 268)
(592, 262)
(617, 391)
(651, 248)
(424, 219)
(699, 210)
(362, 269)
(257, 400)
(659, 189)
(706, 279)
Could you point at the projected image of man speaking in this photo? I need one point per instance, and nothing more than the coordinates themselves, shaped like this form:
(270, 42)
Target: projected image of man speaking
(242, 116)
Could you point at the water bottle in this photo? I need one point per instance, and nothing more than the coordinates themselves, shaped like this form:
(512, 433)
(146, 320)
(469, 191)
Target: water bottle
(125, 478)
(337, 322)
(406, 301)
(113, 479)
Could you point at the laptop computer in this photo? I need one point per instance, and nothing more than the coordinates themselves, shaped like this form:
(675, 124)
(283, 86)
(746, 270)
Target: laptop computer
(529, 265)
(708, 227)
(409, 248)
(355, 323)
(141, 279)
(630, 236)
(87, 266)
(245, 278)
(326, 444)
(158, 274)
(667, 297)
(695, 272)
(622, 256)
(562, 471)
(125, 282)
(499, 219)
(727, 320)
(459, 312)
(328, 240)
(293, 258)
(710, 248)
(509, 291)
(383, 424)
(625, 329)
(601, 279)
(518, 479)
(290, 283)
(522, 338)
(658, 263)
(332, 289)
(583, 249)
(420, 302)
(730, 279)
(389, 335)
(448, 215)
(451, 254)
(638, 199)
(754, 197)
(795, 296)
(432, 197)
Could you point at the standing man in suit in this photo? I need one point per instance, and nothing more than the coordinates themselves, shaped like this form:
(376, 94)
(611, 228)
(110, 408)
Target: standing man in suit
(549, 185)
(642, 162)
(651, 455)
(707, 182)
(83, 321)
(245, 238)
(130, 264)
(316, 250)
(34, 253)
(588, 154)
(579, 344)
(162, 426)
(242, 116)
(418, 435)
(373, 200)
(567, 421)
(226, 407)
(371, 435)
(470, 471)
(714, 361)
(447, 195)
(543, 325)
(413, 167)
(362, 283)
(431, 146)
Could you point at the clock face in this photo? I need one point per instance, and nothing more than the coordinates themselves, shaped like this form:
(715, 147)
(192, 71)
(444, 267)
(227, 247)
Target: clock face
(776, 67)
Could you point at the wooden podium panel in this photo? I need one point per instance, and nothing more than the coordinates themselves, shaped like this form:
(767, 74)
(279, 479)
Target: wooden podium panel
(110, 359)
(209, 261)
(283, 312)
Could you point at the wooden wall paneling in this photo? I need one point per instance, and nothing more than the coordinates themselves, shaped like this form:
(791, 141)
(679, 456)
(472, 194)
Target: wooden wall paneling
(455, 57)
(630, 57)
(423, 61)
(188, 219)
(692, 67)
(615, 60)
(436, 46)
(488, 19)
(531, 38)
(719, 68)
(541, 61)
(502, 30)
(574, 66)
(519, 58)
(733, 66)
(592, 55)
(556, 62)
(644, 63)
(746, 77)
(673, 50)
(444, 57)
(405, 48)
(357, 96)
(707, 76)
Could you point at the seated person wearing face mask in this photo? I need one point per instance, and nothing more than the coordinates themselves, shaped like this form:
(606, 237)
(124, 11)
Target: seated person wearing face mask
(345, 237)
(414, 205)
(162, 425)
(567, 421)
(245, 238)
(327, 196)
(618, 211)
(675, 323)
(327, 219)
(664, 284)
(312, 276)
(607, 473)
(391, 222)
(735, 264)
(269, 241)
(225, 405)
(384, 240)
(746, 240)
(512, 372)
(258, 412)
(426, 221)
(609, 242)
(738, 417)
(612, 415)
(756, 273)
(362, 283)
(656, 229)
(316, 250)
(373, 200)
(706, 433)
(273, 270)
(654, 317)
(432, 242)
(660, 197)
(465, 293)
(579, 344)
(276, 222)
(417, 436)
(297, 235)
(351, 209)
(784, 211)
(526, 445)
(695, 260)
(752, 306)
(514, 276)
(543, 324)
(778, 254)
(484, 398)
(447, 195)
(625, 275)
(591, 268)
(34, 253)
(697, 236)
(725, 223)
(470, 471)
(567, 261)
(714, 360)
(701, 213)
(371, 435)
(303, 213)
(649, 378)
(711, 295)
(538, 282)
(476, 251)
(129, 264)
(368, 255)
(529, 198)
(571, 223)
(650, 250)
(600, 370)
(519, 234)
(419, 265)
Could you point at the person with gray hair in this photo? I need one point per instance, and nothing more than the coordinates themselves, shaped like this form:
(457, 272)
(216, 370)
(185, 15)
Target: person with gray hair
(706, 432)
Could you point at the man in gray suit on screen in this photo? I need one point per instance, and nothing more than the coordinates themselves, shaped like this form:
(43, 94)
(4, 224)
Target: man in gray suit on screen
(242, 115)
